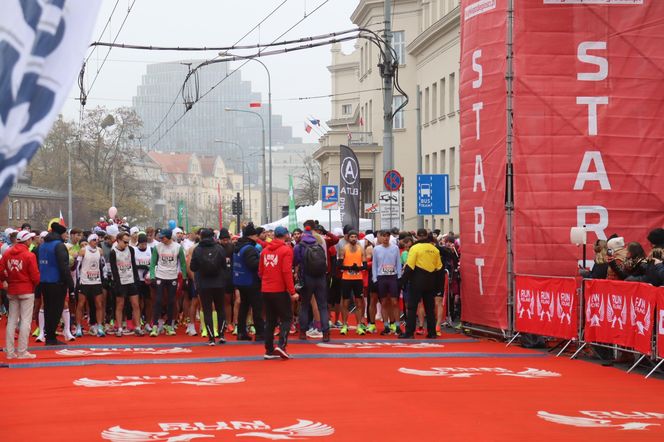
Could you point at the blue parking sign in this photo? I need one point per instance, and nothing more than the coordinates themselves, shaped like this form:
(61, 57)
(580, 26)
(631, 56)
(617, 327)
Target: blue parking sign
(330, 194)
(433, 194)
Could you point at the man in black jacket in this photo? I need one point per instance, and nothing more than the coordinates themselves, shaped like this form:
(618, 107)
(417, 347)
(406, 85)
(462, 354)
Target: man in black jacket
(208, 262)
(245, 279)
(55, 279)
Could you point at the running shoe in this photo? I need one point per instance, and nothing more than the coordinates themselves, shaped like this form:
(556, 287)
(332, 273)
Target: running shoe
(221, 340)
(211, 342)
(118, 333)
(394, 329)
(93, 330)
(293, 329)
(371, 328)
(439, 333)
(252, 330)
(100, 332)
(40, 338)
(191, 330)
(69, 336)
(148, 328)
(314, 334)
(271, 355)
(25, 355)
(169, 330)
(234, 330)
(338, 324)
(326, 336)
(281, 353)
(419, 331)
(138, 332)
(230, 328)
(127, 331)
(360, 330)
(35, 333)
(154, 332)
(385, 332)
(11, 355)
(344, 330)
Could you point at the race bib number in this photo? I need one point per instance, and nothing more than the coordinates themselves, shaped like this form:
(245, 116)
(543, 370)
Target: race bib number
(388, 270)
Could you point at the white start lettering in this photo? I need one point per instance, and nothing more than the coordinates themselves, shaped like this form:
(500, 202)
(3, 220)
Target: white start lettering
(136, 381)
(118, 351)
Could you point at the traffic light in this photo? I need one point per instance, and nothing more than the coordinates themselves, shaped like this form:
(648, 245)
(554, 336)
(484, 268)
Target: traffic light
(234, 207)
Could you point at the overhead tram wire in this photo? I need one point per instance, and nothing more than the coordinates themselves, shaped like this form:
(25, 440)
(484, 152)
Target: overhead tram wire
(177, 94)
(243, 64)
(94, 80)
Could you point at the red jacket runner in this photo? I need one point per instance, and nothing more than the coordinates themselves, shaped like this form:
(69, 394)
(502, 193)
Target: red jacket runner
(18, 267)
(275, 268)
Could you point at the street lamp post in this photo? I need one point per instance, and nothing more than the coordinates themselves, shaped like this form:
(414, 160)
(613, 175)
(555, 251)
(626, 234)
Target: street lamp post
(264, 193)
(269, 112)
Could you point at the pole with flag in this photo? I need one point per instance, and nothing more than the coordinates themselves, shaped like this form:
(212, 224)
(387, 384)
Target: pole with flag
(219, 207)
(62, 220)
(186, 218)
(180, 212)
(292, 212)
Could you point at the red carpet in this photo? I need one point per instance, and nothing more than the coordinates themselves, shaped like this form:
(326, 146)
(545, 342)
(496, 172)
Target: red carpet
(479, 391)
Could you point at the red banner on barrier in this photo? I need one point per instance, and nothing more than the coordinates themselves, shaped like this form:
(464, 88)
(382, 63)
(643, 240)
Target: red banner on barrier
(620, 313)
(660, 322)
(482, 93)
(547, 306)
(589, 106)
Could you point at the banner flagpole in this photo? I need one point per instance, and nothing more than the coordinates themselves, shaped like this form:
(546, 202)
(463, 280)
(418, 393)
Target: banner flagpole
(509, 189)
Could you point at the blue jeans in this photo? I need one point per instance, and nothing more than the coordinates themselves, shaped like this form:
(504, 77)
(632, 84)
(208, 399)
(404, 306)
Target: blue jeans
(316, 286)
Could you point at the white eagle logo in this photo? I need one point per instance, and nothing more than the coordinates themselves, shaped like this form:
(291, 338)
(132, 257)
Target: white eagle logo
(589, 422)
(641, 321)
(270, 260)
(467, 372)
(211, 381)
(524, 304)
(564, 308)
(118, 351)
(595, 310)
(303, 429)
(616, 311)
(545, 306)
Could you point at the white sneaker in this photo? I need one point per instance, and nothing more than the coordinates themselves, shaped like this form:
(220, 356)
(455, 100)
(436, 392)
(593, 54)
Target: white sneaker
(314, 334)
(191, 330)
(69, 336)
(11, 355)
(40, 338)
(26, 355)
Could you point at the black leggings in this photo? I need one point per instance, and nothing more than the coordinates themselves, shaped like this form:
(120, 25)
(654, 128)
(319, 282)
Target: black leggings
(208, 296)
(165, 292)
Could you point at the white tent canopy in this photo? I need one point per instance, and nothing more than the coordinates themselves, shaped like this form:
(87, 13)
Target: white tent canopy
(317, 212)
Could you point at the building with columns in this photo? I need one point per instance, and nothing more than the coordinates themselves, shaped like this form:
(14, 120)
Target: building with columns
(426, 37)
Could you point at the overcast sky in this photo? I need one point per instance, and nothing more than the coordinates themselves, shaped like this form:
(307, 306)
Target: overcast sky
(218, 23)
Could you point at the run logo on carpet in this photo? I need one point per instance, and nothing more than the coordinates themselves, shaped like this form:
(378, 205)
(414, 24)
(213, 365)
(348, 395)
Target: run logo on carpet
(303, 429)
(112, 351)
(135, 381)
(468, 372)
(605, 419)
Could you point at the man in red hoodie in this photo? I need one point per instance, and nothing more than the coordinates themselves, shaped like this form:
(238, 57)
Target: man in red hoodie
(18, 268)
(275, 268)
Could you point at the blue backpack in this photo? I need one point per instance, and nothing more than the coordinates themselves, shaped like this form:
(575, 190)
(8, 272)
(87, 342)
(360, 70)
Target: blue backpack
(242, 276)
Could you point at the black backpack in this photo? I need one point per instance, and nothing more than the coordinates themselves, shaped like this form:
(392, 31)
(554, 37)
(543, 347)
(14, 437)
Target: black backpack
(314, 261)
(210, 261)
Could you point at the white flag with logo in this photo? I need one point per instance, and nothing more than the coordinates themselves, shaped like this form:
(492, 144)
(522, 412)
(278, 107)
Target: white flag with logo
(42, 46)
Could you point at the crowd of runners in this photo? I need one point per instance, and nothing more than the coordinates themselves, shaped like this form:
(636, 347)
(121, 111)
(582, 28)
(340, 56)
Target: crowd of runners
(122, 280)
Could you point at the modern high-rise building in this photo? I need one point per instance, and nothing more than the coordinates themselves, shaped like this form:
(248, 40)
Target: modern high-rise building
(207, 120)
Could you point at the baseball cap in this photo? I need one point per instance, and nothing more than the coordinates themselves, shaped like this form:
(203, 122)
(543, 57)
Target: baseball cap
(166, 233)
(280, 232)
(177, 230)
(9, 231)
(24, 235)
(93, 237)
(112, 230)
(43, 234)
(134, 230)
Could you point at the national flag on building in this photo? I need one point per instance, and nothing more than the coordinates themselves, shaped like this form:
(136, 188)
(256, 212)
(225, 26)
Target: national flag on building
(255, 104)
(307, 128)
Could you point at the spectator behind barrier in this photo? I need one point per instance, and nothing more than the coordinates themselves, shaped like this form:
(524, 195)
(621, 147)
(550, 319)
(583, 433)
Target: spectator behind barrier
(634, 265)
(616, 254)
(601, 265)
